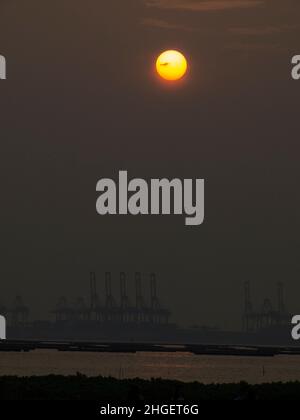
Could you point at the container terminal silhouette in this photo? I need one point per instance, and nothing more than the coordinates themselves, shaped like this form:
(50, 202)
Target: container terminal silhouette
(100, 317)
(108, 309)
(267, 317)
(141, 318)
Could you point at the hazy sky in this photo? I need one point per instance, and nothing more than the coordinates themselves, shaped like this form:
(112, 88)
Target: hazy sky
(82, 102)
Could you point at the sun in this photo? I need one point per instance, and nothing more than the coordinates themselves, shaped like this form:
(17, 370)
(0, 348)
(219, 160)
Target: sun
(171, 65)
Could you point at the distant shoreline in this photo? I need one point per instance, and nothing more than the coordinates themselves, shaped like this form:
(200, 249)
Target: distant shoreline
(136, 347)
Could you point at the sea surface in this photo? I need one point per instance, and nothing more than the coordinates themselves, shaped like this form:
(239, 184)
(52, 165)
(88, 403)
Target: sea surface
(179, 366)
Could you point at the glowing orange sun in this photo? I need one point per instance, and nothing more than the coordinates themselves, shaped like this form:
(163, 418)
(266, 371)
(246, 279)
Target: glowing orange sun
(171, 65)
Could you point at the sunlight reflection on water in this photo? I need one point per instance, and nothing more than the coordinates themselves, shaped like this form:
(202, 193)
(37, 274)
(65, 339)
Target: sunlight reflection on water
(178, 366)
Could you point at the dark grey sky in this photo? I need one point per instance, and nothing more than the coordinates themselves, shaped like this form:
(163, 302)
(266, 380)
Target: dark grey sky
(81, 102)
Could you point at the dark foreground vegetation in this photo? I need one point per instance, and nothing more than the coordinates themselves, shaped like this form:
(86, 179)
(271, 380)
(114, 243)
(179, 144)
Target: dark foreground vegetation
(114, 391)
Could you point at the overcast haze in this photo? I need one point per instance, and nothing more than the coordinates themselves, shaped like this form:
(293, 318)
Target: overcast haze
(82, 102)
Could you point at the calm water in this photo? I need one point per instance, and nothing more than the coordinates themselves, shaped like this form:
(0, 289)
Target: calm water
(180, 366)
